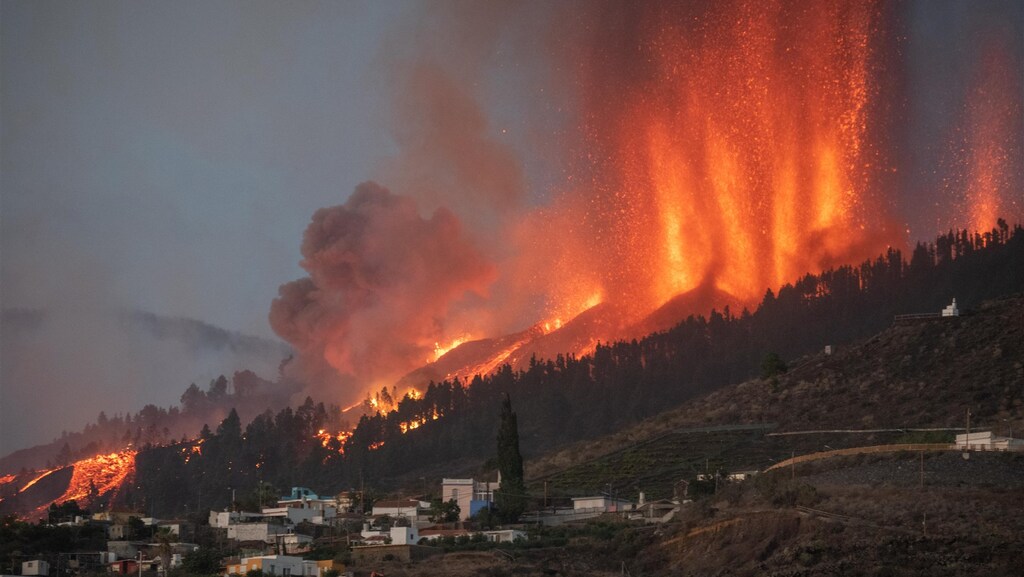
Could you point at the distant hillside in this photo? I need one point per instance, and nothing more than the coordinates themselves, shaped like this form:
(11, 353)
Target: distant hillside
(193, 333)
(62, 368)
(204, 336)
(915, 374)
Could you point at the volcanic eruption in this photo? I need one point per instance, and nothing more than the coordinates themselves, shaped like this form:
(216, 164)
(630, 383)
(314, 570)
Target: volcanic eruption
(708, 152)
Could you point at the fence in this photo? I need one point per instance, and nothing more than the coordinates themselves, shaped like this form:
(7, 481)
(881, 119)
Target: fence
(917, 316)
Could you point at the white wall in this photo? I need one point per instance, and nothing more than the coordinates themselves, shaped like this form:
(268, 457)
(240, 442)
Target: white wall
(254, 531)
(404, 535)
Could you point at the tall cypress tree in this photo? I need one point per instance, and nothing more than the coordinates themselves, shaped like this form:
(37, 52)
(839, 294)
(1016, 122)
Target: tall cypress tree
(511, 495)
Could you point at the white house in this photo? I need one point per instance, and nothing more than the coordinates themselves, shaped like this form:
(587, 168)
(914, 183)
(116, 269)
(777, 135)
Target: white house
(601, 504)
(265, 532)
(221, 519)
(470, 494)
(951, 310)
(304, 498)
(303, 505)
(987, 441)
(300, 514)
(404, 536)
(410, 509)
(505, 536)
(35, 567)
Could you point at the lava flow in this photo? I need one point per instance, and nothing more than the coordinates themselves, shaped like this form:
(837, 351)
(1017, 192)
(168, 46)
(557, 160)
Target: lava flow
(99, 476)
(39, 477)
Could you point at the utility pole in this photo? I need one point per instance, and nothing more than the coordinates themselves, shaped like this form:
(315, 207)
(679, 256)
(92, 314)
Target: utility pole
(362, 492)
(967, 439)
(792, 466)
(922, 469)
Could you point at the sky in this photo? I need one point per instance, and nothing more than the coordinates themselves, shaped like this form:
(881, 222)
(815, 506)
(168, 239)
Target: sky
(167, 157)
(180, 148)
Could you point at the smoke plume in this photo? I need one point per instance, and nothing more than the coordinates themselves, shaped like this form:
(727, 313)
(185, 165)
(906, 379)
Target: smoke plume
(382, 280)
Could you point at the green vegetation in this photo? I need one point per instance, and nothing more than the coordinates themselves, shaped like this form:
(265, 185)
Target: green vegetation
(444, 511)
(511, 498)
(772, 366)
(202, 561)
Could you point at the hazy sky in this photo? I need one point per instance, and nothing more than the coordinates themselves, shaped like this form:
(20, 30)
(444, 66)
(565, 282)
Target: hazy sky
(168, 155)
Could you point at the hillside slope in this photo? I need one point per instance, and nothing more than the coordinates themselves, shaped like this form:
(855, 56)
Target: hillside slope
(922, 374)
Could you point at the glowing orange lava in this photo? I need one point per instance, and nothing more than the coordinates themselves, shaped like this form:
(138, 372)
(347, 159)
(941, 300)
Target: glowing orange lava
(440, 351)
(733, 155)
(99, 476)
(994, 128)
(38, 478)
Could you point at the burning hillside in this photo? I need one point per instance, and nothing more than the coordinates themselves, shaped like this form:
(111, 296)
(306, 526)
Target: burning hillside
(713, 151)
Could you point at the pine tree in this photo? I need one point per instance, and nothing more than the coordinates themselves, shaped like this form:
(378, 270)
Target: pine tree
(511, 495)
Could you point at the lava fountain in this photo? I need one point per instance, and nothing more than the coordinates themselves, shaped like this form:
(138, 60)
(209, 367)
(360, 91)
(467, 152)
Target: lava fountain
(730, 146)
(993, 140)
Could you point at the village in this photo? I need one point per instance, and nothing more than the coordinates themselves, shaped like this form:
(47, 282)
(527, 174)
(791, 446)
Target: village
(277, 539)
(304, 533)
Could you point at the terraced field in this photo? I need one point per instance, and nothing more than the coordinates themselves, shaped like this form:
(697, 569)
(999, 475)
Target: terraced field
(654, 466)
